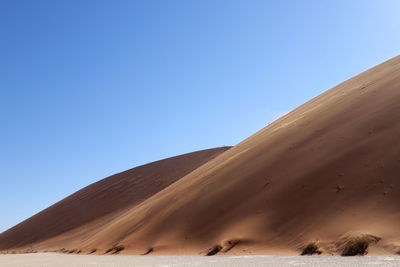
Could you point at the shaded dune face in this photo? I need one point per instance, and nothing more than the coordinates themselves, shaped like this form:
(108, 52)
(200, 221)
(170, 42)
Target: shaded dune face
(326, 171)
(103, 200)
(329, 168)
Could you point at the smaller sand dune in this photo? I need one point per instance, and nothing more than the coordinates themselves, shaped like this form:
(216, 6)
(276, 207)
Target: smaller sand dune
(87, 210)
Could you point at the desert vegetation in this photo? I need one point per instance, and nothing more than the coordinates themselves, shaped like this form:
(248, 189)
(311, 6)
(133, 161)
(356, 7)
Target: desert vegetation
(115, 249)
(214, 250)
(357, 245)
(229, 244)
(311, 249)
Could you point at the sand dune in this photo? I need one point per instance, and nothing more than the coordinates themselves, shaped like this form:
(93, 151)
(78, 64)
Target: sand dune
(325, 173)
(80, 214)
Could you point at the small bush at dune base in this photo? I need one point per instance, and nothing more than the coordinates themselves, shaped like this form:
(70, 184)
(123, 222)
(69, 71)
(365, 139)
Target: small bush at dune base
(355, 247)
(148, 251)
(93, 250)
(115, 249)
(358, 245)
(229, 244)
(311, 249)
(214, 250)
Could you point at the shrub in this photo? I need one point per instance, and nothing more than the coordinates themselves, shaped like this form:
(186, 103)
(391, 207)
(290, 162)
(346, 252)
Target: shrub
(115, 249)
(358, 245)
(214, 250)
(93, 250)
(311, 249)
(229, 244)
(149, 251)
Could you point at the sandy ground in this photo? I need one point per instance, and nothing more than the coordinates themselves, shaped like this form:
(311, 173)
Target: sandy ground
(60, 260)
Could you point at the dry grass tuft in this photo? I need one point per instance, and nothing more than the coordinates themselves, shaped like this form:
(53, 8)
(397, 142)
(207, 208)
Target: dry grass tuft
(214, 250)
(115, 249)
(148, 251)
(357, 245)
(229, 244)
(311, 249)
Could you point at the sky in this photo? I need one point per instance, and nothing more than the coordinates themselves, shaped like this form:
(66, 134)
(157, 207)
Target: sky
(91, 88)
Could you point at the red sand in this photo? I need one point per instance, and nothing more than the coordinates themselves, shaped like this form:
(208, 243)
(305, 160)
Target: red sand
(328, 170)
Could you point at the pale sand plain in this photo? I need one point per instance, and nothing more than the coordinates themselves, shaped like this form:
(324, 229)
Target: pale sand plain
(62, 260)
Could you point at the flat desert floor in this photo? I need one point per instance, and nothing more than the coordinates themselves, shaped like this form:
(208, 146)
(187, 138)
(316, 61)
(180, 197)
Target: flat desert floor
(61, 260)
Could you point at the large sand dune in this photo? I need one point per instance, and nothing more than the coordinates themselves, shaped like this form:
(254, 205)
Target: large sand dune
(325, 172)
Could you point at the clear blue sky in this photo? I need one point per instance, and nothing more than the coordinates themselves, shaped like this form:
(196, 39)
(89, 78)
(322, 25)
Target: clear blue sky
(91, 88)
